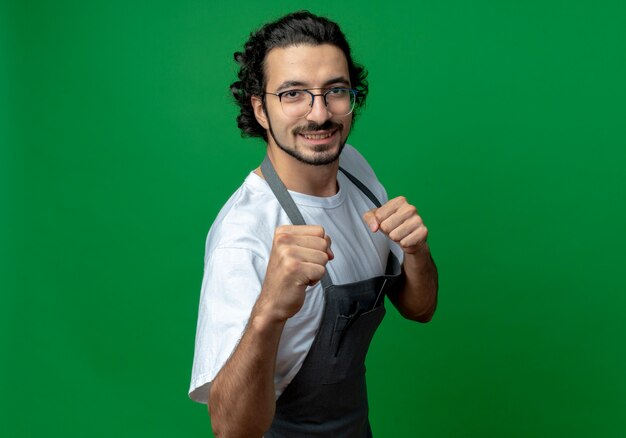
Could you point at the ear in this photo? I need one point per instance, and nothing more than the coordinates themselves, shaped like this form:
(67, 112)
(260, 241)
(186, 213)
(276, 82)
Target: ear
(259, 111)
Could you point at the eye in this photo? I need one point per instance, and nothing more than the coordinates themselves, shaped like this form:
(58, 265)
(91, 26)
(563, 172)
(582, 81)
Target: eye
(291, 95)
(337, 92)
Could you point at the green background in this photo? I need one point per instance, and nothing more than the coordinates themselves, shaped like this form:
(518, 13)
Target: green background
(502, 121)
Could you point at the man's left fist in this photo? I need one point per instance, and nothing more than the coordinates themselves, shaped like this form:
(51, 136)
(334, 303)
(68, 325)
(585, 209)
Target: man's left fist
(400, 222)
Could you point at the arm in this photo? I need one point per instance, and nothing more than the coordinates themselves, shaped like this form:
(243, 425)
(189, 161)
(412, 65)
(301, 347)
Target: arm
(242, 395)
(415, 294)
(242, 398)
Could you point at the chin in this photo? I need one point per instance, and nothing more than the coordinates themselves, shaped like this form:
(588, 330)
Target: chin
(317, 156)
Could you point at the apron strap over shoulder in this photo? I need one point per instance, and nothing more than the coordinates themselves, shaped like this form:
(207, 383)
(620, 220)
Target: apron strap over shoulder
(367, 192)
(280, 191)
(286, 202)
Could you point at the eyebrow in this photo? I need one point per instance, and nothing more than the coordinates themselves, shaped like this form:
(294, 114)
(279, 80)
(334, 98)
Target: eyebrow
(339, 80)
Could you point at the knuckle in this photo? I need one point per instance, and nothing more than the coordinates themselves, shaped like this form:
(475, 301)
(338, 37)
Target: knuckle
(323, 247)
(318, 230)
(281, 229)
(318, 272)
(415, 222)
(282, 239)
(325, 258)
(407, 242)
(386, 227)
(291, 265)
(286, 254)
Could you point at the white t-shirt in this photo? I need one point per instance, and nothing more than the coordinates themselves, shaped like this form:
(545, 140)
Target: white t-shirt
(237, 252)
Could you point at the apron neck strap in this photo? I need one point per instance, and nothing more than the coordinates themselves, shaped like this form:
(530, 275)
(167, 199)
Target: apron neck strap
(367, 192)
(280, 191)
(286, 202)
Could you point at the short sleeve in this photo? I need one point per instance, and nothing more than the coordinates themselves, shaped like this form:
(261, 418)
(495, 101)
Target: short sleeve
(231, 284)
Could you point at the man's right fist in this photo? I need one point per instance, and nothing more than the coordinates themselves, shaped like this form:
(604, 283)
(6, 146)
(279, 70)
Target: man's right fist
(298, 259)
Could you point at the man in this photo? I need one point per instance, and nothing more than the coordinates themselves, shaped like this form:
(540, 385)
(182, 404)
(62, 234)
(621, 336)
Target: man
(299, 259)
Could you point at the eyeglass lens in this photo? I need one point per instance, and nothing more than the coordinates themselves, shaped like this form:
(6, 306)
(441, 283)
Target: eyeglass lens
(298, 103)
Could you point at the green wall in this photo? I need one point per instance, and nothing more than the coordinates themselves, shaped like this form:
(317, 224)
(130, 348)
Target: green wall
(503, 121)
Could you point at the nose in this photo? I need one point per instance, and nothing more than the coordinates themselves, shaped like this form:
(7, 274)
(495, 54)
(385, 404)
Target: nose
(319, 112)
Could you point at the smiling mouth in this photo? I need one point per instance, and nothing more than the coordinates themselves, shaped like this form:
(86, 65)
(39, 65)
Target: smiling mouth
(317, 136)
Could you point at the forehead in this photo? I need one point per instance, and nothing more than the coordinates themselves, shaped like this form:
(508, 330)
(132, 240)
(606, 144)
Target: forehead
(310, 65)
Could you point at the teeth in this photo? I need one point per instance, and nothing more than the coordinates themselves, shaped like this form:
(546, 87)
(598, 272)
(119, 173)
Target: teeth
(316, 136)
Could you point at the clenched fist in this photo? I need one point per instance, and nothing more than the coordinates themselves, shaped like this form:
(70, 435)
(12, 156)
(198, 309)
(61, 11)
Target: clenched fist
(400, 222)
(297, 260)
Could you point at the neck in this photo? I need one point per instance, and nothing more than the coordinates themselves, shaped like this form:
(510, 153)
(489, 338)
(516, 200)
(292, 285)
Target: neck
(304, 178)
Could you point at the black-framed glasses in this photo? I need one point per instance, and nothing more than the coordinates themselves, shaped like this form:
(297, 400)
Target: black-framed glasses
(299, 103)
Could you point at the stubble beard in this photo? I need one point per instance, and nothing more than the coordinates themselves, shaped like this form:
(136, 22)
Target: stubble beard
(317, 159)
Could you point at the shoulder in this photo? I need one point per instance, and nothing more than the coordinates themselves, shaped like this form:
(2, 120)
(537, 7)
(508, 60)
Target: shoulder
(247, 220)
(352, 161)
(355, 163)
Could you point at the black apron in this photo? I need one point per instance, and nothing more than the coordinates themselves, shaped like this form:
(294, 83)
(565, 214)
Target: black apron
(328, 396)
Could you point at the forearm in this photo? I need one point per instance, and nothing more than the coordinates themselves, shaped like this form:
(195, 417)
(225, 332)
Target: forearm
(416, 293)
(242, 396)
